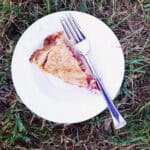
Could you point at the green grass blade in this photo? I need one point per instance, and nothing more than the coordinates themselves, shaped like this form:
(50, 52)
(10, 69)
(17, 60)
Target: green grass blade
(48, 5)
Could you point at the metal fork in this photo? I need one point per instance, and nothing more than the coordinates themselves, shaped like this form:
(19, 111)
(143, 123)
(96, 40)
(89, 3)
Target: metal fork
(74, 33)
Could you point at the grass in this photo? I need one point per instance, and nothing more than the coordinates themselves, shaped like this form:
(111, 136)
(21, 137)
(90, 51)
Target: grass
(21, 129)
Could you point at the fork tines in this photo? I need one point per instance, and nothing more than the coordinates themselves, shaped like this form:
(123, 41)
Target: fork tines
(72, 28)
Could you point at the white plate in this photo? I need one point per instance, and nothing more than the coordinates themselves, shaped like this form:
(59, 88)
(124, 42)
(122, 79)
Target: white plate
(48, 96)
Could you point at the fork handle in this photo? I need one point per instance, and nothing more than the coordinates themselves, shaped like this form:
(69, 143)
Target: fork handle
(118, 120)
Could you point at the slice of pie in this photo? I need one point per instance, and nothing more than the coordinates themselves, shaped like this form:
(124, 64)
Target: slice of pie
(59, 58)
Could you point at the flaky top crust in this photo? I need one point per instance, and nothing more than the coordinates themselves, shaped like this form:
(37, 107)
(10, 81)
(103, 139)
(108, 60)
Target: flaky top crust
(57, 59)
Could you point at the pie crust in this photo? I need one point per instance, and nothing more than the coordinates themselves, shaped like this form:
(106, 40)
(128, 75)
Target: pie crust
(59, 58)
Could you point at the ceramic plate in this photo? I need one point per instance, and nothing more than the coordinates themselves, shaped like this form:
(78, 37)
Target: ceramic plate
(51, 98)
